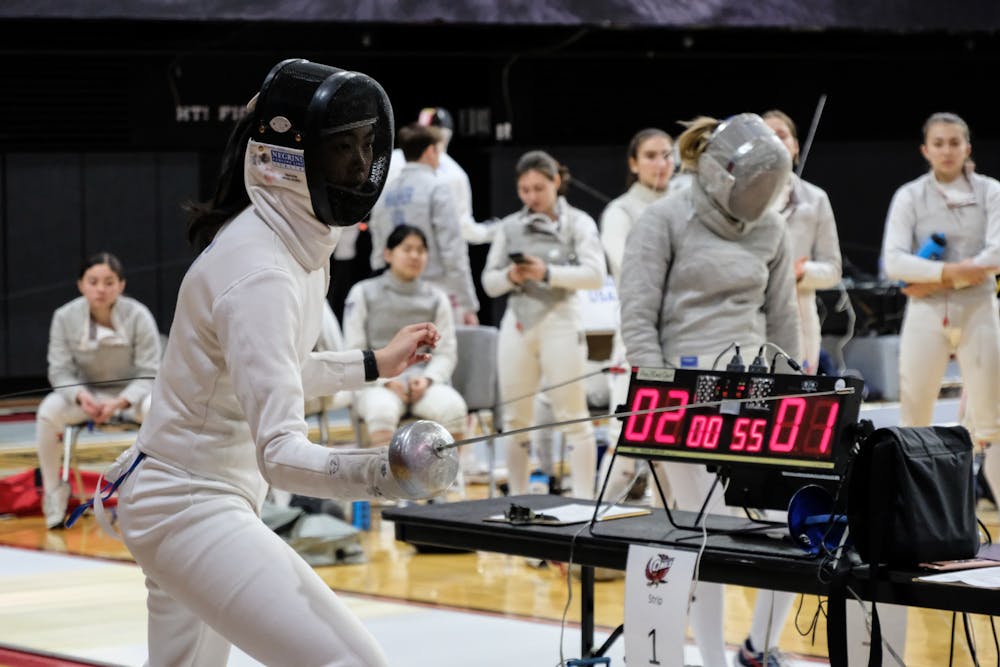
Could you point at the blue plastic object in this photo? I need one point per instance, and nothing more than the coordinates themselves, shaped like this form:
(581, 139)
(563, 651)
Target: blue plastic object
(811, 521)
(361, 514)
(588, 662)
(933, 247)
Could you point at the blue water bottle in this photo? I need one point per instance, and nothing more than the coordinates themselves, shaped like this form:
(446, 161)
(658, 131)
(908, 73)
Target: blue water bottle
(933, 247)
(361, 514)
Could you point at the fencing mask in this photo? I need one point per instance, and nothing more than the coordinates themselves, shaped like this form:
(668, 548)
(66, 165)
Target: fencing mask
(744, 166)
(329, 127)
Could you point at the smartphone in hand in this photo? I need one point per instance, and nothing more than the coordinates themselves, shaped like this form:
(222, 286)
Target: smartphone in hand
(517, 257)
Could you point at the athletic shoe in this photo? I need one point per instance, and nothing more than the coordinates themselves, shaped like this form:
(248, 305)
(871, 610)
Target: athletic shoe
(747, 657)
(54, 505)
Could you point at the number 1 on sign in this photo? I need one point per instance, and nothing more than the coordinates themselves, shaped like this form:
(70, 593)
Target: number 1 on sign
(652, 635)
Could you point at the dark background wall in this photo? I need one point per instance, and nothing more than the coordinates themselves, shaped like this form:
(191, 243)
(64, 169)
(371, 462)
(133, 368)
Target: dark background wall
(107, 127)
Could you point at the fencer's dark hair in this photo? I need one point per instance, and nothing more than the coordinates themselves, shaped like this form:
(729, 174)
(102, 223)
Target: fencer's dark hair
(694, 139)
(546, 165)
(778, 114)
(207, 217)
(639, 139)
(103, 258)
(401, 233)
(415, 138)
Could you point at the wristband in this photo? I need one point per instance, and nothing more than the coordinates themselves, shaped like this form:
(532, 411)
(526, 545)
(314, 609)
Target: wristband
(371, 366)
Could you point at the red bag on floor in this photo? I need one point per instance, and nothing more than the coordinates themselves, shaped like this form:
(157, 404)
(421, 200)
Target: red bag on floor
(21, 493)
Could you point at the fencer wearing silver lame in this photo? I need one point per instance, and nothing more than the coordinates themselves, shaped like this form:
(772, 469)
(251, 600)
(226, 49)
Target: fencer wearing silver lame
(421, 199)
(956, 310)
(730, 275)
(227, 411)
(541, 333)
(705, 266)
(815, 243)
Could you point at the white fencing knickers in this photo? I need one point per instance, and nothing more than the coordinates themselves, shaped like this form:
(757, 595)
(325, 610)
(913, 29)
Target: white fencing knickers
(555, 349)
(53, 415)
(217, 575)
(382, 409)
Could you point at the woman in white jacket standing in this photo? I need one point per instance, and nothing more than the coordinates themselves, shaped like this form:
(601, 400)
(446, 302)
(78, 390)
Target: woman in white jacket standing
(227, 413)
(952, 306)
(815, 243)
(105, 338)
(540, 256)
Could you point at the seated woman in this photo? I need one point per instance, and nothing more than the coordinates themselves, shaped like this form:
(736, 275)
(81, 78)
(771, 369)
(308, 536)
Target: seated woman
(100, 345)
(375, 309)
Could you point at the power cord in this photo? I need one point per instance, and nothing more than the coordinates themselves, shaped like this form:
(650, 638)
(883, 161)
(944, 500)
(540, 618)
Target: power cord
(728, 347)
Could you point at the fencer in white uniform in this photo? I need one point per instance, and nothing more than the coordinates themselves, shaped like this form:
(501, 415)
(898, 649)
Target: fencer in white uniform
(815, 243)
(540, 256)
(650, 166)
(417, 197)
(102, 338)
(708, 265)
(379, 307)
(454, 175)
(227, 417)
(952, 307)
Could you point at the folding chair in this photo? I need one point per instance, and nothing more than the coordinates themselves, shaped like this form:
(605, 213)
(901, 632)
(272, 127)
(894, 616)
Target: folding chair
(477, 379)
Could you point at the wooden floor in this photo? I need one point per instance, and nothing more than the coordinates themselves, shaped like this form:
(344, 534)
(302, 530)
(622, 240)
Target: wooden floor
(509, 586)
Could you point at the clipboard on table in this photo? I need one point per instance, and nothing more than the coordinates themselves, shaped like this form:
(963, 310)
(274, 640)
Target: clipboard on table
(565, 515)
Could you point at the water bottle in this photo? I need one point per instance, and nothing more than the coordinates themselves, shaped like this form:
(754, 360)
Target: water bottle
(933, 247)
(538, 483)
(361, 514)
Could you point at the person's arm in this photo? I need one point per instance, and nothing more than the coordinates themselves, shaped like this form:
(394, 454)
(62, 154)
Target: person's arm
(495, 278)
(989, 256)
(899, 259)
(145, 338)
(62, 368)
(781, 310)
(453, 252)
(442, 365)
(645, 267)
(823, 268)
(256, 322)
(615, 226)
(589, 272)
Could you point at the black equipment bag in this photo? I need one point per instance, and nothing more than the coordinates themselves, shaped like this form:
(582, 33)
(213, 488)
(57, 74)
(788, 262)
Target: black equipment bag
(911, 496)
(910, 499)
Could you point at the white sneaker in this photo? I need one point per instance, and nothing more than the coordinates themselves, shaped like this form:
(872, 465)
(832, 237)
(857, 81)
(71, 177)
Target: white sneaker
(54, 505)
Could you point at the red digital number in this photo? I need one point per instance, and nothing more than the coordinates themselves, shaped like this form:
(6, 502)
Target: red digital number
(652, 397)
(748, 435)
(821, 423)
(786, 428)
(704, 431)
(637, 427)
(671, 420)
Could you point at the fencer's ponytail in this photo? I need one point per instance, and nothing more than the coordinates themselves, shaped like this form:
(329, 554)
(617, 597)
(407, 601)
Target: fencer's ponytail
(692, 141)
(207, 217)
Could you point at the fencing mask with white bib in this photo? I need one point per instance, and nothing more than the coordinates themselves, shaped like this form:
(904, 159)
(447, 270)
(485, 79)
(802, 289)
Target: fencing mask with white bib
(325, 130)
(744, 166)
